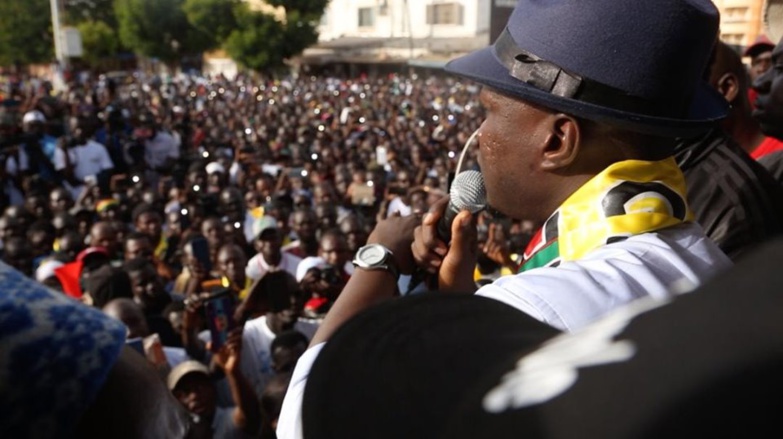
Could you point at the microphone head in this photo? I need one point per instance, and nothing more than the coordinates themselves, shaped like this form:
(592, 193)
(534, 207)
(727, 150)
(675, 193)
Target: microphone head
(468, 192)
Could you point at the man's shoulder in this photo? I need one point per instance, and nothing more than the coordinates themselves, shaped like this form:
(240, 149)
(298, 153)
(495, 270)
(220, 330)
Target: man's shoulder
(291, 258)
(657, 264)
(163, 138)
(258, 322)
(94, 144)
(308, 327)
(773, 163)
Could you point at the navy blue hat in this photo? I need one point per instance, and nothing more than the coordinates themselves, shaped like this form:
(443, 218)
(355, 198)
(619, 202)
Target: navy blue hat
(636, 64)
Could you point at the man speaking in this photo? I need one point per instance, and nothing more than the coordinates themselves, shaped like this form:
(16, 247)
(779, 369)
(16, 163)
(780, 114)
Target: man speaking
(583, 102)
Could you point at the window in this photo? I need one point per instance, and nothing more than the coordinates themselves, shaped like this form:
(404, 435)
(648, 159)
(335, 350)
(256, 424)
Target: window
(735, 14)
(366, 17)
(383, 8)
(444, 13)
(733, 39)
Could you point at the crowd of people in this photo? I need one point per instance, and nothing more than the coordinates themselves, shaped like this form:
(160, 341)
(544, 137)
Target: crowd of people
(218, 219)
(139, 193)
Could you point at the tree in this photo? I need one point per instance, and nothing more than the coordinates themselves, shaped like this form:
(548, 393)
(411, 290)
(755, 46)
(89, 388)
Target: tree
(159, 29)
(262, 43)
(213, 17)
(301, 28)
(79, 11)
(258, 42)
(98, 40)
(25, 32)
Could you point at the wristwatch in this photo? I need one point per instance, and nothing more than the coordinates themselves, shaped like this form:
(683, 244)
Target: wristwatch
(376, 257)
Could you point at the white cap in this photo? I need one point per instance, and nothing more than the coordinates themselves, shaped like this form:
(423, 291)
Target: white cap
(46, 269)
(213, 167)
(33, 116)
(308, 263)
(262, 224)
(183, 369)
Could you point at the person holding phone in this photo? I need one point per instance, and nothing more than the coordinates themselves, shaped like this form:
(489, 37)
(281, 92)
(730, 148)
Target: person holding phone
(193, 386)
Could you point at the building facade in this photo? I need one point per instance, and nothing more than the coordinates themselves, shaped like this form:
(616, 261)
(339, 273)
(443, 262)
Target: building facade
(415, 31)
(740, 21)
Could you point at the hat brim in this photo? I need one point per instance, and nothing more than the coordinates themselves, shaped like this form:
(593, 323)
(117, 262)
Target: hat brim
(707, 107)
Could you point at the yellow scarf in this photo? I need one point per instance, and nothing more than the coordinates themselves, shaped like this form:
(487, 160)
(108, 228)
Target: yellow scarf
(627, 198)
(244, 292)
(162, 248)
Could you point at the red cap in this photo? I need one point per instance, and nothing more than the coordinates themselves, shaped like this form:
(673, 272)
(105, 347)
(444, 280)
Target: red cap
(762, 44)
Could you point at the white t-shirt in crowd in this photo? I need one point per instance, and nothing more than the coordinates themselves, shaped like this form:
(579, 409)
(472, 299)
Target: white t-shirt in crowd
(158, 149)
(318, 262)
(257, 266)
(397, 205)
(88, 159)
(256, 361)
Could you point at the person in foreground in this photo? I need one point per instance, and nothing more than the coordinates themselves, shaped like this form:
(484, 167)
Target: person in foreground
(579, 133)
(68, 373)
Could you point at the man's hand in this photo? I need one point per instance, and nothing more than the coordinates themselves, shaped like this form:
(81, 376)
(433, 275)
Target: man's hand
(191, 318)
(496, 248)
(396, 234)
(454, 264)
(227, 357)
(312, 282)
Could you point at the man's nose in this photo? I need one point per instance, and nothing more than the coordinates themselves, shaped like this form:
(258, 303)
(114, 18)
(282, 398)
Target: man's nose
(763, 82)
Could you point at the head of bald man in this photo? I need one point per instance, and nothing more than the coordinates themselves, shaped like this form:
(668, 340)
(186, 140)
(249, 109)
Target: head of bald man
(128, 312)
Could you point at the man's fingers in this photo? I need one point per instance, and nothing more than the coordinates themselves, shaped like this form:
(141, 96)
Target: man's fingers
(463, 235)
(436, 212)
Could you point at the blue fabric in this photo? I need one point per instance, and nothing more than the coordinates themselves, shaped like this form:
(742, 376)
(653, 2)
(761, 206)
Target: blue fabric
(55, 354)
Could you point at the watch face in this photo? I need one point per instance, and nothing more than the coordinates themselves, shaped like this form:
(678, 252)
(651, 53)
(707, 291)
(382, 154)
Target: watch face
(372, 255)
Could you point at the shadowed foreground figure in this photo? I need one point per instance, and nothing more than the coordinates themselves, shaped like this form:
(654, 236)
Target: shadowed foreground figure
(66, 371)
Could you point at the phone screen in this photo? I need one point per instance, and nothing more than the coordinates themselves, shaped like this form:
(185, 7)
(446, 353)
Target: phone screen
(220, 317)
(200, 248)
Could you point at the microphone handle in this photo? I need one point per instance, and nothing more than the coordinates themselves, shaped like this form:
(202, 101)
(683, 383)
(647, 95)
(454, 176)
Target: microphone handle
(444, 225)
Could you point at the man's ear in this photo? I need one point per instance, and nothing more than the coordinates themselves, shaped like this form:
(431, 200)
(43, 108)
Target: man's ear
(563, 143)
(728, 86)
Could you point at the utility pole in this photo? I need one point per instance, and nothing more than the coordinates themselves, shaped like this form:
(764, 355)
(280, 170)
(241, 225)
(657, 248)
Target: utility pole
(58, 34)
(410, 28)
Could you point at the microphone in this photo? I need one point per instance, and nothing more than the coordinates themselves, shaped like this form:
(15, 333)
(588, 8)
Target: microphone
(467, 193)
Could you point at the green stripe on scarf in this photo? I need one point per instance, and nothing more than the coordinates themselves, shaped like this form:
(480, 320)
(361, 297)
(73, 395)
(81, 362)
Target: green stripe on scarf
(542, 257)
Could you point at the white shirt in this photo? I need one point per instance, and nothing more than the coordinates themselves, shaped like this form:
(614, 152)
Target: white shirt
(158, 149)
(289, 424)
(397, 205)
(257, 266)
(670, 261)
(659, 265)
(318, 262)
(256, 360)
(88, 159)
